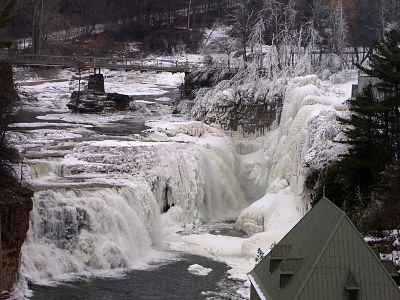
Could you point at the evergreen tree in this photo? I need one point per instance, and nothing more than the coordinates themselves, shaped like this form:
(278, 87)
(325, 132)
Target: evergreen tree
(385, 65)
(364, 180)
(357, 172)
(80, 66)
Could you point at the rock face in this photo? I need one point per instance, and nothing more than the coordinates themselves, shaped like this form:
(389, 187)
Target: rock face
(248, 118)
(15, 206)
(91, 101)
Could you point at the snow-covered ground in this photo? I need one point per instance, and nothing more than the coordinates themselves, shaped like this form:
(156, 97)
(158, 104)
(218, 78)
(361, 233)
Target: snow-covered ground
(193, 168)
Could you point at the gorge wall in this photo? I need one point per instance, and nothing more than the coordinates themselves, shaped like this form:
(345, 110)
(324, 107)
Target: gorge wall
(15, 207)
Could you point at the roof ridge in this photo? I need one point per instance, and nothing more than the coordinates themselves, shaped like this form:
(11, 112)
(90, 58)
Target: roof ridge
(330, 203)
(321, 253)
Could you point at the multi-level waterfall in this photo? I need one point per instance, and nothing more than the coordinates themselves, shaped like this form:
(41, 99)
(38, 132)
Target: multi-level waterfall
(103, 203)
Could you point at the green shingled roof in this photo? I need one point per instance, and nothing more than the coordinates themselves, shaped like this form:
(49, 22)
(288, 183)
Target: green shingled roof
(314, 260)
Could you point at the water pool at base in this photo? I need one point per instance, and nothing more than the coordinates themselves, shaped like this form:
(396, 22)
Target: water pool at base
(167, 281)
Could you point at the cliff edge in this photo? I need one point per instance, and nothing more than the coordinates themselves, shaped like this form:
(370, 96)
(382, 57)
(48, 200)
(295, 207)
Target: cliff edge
(15, 206)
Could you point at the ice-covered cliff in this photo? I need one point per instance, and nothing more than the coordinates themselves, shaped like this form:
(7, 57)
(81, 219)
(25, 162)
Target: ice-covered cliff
(304, 139)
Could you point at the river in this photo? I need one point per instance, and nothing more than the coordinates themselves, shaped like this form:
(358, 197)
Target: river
(98, 226)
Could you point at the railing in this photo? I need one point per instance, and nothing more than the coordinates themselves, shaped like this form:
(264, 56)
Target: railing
(104, 62)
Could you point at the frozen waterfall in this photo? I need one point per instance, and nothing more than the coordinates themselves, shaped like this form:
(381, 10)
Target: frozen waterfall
(304, 138)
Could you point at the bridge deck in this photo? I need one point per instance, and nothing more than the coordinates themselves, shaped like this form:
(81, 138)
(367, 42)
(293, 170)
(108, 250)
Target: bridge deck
(102, 62)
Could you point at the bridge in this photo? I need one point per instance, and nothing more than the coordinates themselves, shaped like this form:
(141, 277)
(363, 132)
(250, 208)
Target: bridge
(128, 64)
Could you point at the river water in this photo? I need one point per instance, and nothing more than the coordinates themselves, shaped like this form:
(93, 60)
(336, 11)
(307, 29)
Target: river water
(166, 281)
(50, 140)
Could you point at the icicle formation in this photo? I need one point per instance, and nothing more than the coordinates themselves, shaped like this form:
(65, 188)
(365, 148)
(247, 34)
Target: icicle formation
(306, 97)
(304, 138)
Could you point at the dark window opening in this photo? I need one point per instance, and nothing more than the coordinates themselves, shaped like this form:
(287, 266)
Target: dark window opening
(353, 295)
(284, 279)
(273, 264)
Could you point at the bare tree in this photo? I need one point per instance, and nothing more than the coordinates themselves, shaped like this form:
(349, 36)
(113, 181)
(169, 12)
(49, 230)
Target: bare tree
(245, 15)
(45, 19)
(388, 15)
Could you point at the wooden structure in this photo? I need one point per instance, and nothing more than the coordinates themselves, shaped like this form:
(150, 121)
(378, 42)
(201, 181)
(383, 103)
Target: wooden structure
(323, 257)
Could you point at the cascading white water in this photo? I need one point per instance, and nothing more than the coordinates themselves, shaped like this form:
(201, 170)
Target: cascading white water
(82, 229)
(121, 201)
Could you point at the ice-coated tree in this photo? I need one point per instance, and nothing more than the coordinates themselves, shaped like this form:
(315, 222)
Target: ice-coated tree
(388, 15)
(256, 40)
(245, 16)
(337, 29)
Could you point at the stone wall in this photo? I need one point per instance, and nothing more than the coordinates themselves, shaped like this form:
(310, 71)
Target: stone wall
(15, 207)
(247, 117)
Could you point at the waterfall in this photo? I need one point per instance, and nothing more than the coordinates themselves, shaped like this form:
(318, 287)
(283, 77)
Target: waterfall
(83, 229)
(108, 204)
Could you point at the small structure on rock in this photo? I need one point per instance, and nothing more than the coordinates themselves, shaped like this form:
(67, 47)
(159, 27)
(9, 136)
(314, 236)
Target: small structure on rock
(95, 100)
(96, 81)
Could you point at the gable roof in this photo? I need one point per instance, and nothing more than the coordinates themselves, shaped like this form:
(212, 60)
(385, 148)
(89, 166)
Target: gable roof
(323, 255)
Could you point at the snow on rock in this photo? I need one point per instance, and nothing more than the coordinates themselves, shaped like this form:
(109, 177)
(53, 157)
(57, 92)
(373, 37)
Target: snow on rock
(197, 269)
(198, 177)
(136, 83)
(273, 212)
(249, 106)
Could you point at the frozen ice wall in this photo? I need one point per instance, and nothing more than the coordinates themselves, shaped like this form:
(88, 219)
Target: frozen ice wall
(305, 138)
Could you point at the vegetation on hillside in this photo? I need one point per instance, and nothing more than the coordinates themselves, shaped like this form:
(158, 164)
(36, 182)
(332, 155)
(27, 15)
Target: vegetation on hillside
(331, 26)
(8, 97)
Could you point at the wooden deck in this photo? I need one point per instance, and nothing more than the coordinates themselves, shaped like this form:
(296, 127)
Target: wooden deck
(104, 62)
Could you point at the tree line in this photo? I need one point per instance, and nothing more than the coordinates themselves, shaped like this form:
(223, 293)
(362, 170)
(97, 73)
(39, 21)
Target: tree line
(318, 26)
(38, 19)
(329, 25)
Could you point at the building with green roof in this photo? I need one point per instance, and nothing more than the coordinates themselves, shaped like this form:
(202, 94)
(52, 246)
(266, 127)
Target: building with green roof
(323, 257)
